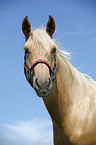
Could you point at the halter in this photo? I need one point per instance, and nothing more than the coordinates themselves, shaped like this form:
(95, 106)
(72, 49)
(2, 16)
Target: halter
(30, 71)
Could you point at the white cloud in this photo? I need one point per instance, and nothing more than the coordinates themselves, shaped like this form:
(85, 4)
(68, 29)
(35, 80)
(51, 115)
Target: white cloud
(34, 132)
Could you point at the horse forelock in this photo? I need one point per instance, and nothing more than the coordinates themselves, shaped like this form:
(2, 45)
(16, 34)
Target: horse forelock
(40, 37)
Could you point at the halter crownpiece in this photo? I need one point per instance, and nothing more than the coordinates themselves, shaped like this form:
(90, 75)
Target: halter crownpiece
(30, 71)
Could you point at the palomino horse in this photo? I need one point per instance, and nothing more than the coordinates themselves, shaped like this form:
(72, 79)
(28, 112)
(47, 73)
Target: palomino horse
(69, 96)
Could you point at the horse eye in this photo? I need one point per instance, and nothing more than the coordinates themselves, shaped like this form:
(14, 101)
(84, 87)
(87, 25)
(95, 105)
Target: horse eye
(53, 50)
(26, 53)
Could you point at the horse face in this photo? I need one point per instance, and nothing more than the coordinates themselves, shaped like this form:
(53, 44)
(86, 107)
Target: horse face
(39, 58)
(40, 62)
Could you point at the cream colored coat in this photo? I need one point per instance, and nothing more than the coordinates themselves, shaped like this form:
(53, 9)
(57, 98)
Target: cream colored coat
(72, 100)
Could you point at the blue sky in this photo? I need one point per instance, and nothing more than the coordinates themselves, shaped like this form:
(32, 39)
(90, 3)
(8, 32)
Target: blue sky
(22, 113)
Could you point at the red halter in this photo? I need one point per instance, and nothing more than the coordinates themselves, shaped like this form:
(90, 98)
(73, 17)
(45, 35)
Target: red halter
(30, 71)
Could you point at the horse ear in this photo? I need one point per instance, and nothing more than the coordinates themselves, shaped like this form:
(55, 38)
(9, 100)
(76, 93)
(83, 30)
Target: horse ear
(50, 27)
(26, 27)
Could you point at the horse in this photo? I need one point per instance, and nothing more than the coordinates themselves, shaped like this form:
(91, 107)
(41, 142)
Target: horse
(69, 95)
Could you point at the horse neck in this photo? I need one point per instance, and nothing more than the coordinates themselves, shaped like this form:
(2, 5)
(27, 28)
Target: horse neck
(64, 84)
(58, 102)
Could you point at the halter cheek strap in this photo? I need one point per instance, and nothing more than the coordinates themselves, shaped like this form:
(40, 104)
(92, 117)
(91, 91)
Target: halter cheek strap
(30, 71)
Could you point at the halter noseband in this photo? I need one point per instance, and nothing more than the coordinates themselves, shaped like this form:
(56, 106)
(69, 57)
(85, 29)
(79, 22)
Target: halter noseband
(30, 71)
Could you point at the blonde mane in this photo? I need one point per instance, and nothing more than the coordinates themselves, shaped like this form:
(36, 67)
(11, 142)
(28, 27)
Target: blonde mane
(80, 76)
(40, 36)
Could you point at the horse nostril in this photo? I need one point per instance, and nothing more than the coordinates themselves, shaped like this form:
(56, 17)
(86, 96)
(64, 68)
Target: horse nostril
(49, 82)
(37, 83)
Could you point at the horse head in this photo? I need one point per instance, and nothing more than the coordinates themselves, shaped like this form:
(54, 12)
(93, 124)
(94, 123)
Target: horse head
(40, 56)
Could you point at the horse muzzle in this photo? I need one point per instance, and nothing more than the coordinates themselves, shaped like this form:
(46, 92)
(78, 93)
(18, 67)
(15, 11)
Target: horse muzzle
(42, 86)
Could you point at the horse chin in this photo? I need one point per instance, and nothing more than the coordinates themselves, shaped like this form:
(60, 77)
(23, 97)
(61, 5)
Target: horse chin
(43, 93)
